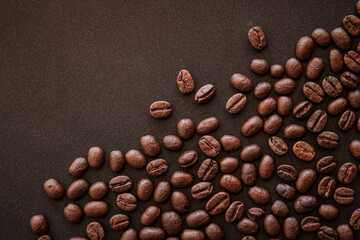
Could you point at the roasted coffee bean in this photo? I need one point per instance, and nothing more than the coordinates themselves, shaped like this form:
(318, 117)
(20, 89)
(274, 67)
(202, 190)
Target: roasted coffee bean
(287, 172)
(314, 68)
(96, 157)
(313, 92)
(336, 60)
(116, 161)
(235, 211)
(198, 219)
(230, 183)
(304, 48)
(144, 189)
(126, 202)
(135, 159)
(205, 94)
(347, 173)
(344, 195)
(150, 215)
(293, 68)
(209, 146)
(241, 82)
(120, 184)
(208, 169)
(326, 187)
(277, 70)
(352, 61)
(186, 128)
(303, 109)
(230, 143)
(201, 190)
(305, 180)
(151, 233)
(39, 224)
(218, 203)
(273, 124)
(285, 191)
(180, 202)
(347, 120)
(303, 151)
(327, 233)
(207, 125)
(247, 226)
(53, 189)
(341, 39)
(271, 225)
(317, 121)
(259, 66)
(328, 211)
(310, 224)
(150, 145)
(185, 82)
(259, 195)
(291, 228)
(294, 131)
(332, 86)
(252, 126)
(78, 167)
(77, 189)
(352, 24)
(326, 165)
(305, 203)
(257, 38)
(353, 98)
(354, 148)
(181, 179)
(321, 37)
(284, 105)
(190, 234)
(345, 232)
(255, 213)
(95, 231)
(228, 164)
(355, 219)
(172, 143)
(188, 158)
(160, 109)
(349, 80)
(262, 90)
(251, 152)
(171, 222)
(266, 106)
(129, 234)
(248, 174)
(284, 86)
(236, 103)
(98, 190)
(328, 139)
(157, 167)
(280, 209)
(44, 237)
(266, 167)
(277, 145)
(96, 209)
(162, 192)
(214, 232)
(119, 222)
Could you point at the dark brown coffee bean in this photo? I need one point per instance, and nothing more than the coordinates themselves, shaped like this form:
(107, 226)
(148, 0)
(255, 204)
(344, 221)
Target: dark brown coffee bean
(218, 203)
(328, 139)
(332, 86)
(126, 202)
(305, 203)
(345, 232)
(144, 189)
(355, 219)
(349, 80)
(294, 131)
(273, 124)
(150, 215)
(201, 190)
(44, 237)
(287, 172)
(262, 90)
(73, 213)
(157, 167)
(353, 98)
(284, 105)
(241, 82)
(303, 151)
(228, 164)
(152, 233)
(77, 189)
(150, 145)
(291, 228)
(181, 179)
(344, 195)
(255, 213)
(251, 152)
(314, 68)
(188, 158)
(160, 109)
(172, 143)
(209, 146)
(129, 234)
(208, 169)
(98, 190)
(327, 233)
(328, 211)
(284, 86)
(53, 189)
(180, 202)
(293, 68)
(186, 128)
(116, 160)
(248, 174)
(95, 231)
(285, 191)
(313, 92)
(190, 234)
(352, 24)
(96, 157)
(280, 209)
(347, 120)
(326, 187)
(354, 148)
(277, 145)
(271, 225)
(39, 224)
(326, 165)
(321, 37)
(303, 109)
(252, 126)
(96, 209)
(317, 121)
(336, 60)
(119, 222)
(207, 125)
(347, 173)
(259, 195)
(230, 183)
(341, 39)
(230, 143)
(214, 232)
(205, 94)
(266, 167)
(78, 167)
(235, 211)
(120, 184)
(198, 219)
(236, 103)
(247, 226)
(310, 224)
(304, 48)
(277, 70)
(185, 82)
(257, 38)
(259, 66)
(162, 192)
(266, 106)
(171, 222)
(305, 180)
(135, 159)
(352, 61)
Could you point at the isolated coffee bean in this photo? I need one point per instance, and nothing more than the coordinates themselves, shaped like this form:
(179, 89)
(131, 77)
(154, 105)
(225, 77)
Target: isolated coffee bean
(347, 120)
(336, 60)
(135, 159)
(181, 179)
(327, 139)
(255, 213)
(205, 94)
(259, 66)
(126, 202)
(160, 109)
(148, 233)
(345, 232)
(313, 92)
(171, 222)
(353, 98)
(291, 228)
(129, 234)
(236, 103)
(326, 165)
(355, 219)
(207, 125)
(349, 80)
(188, 158)
(78, 167)
(39, 224)
(317, 121)
(208, 169)
(344, 195)
(96, 157)
(53, 189)
(230, 183)
(150, 215)
(321, 37)
(352, 61)
(95, 231)
(116, 161)
(198, 219)
(337, 106)
(230, 143)
(347, 173)
(96, 209)
(352, 24)
(294, 131)
(287, 172)
(190, 234)
(98, 190)
(119, 222)
(201, 190)
(144, 189)
(262, 90)
(304, 48)
(284, 86)
(120, 184)
(341, 39)
(354, 148)
(248, 174)
(218, 203)
(180, 202)
(266, 167)
(305, 203)
(273, 124)
(252, 126)
(257, 38)
(77, 189)
(266, 106)
(303, 109)
(293, 68)
(277, 70)
(259, 195)
(284, 105)
(314, 68)
(328, 211)
(277, 145)
(280, 209)
(228, 164)
(271, 225)
(162, 192)
(157, 167)
(326, 187)
(327, 233)
(241, 82)
(209, 146)
(303, 151)
(235, 211)
(172, 143)
(251, 152)
(214, 232)
(310, 224)
(305, 180)
(185, 82)
(247, 226)
(185, 128)
(150, 145)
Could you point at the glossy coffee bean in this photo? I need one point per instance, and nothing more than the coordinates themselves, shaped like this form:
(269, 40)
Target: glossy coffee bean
(198, 219)
(120, 184)
(96, 157)
(303, 109)
(310, 224)
(53, 189)
(277, 70)
(39, 224)
(266, 106)
(305, 180)
(255, 213)
(336, 60)
(332, 86)
(129, 234)
(284, 86)
(326, 187)
(247, 226)
(353, 98)
(273, 124)
(135, 159)
(280, 209)
(251, 152)
(345, 232)
(126, 202)
(119, 222)
(150, 145)
(259, 195)
(230, 143)
(354, 148)
(188, 158)
(205, 94)
(317, 121)
(78, 167)
(341, 39)
(303, 151)
(257, 38)
(352, 61)
(278, 145)
(287, 172)
(157, 167)
(321, 37)
(236, 103)
(266, 167)
(328, 211)
(98, 190)
(208, 169)
(218, 203)
(190, 234)
(355, 219)
(172, 143)
(180, 202)
(209, 146)
(285, 191)
(305, 203)
(214, 232)
(304, 48)
(231, 183)
(347, 173)
(352, 24)
(291, 228)
(314, 68)
(326, 165)
(313, 92)
(185, 128)
(150, 215)
(271, 225)
(160, 109)
(228, 164)
(150, 233)
(252, 126)
(96, 209)
(95, 231)
(241, 82)
(344, 195)
(262, 90)
(284, 105)
(162, 192)
(116, 161)
(77, 189)
(294, 131)
(171, 222)
(201, 190)
(293, 68)
(181, 179)
(144, 189)
(235, 211)
(207, 125)
(259, 66)
(347, 120)
(185, 82)
(328, 139)
(248, 174)
(327, 233)
(349, 80)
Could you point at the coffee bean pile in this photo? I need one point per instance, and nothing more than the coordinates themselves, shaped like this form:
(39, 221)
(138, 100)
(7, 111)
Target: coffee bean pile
(345, 64)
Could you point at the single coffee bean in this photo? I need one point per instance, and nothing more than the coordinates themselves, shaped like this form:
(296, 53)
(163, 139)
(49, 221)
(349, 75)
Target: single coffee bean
(77, 189)
(251, 152)
(172, 143)
(266, 106)
(321, 37)
(157, 167)
(352, 61)
(53, 189)
(235, 211)
(198, 219)
(208, 169)
(129, 234)
(150, 233)
(326, 165)
(150, 215)
(207, 125)
(303, 109)
(352, 24)
(185, 82)
(284, 105)
(332, 86)
(287, 172)
(328, 211)
(341, 39)
(345, 232)
(257, 38)
(44, 237)
(327, 233)
(310, 224)
(228, 164)
(354, 148)
(120, 184)
(337, 106)
(271, 225)
(214, 232)
(162, 192)
(230, 183)
(150, 145)
(96, 209)
(353, 98)
(344, 195)
(291, 228)
(186, 128)
(259, 195)
(328, 139)
(119, 222)
(236, 103)
(180, 202)
(277, 70)
(305, 180)
(144, 189)
(293, 68)
(230, 143)
(248, 174)
(188, 158)
(252, 126)
(98, 190)
(285, 86)
(277, 145)
(347, 120)
(349, 80)
(255, 213)
(39, 224)
(126, 202)
(181, 179)
(218, 203)
(241, 82)
(285, 191)
(273, 124)
(171, 222)
(135, 159)
(205, 94)
(313, 92)
(259, 66)
(305, 203)
(95, 231)
(262, 90)
(304, 48)
(209, 146)
(117, 161)
(326, 187)
(96, 157)
(347, 173)
(317, 121)
(303, 151)
(190, 234)
(336, 60)
(247, 226)
(355, 219)
(280, 209)
(160, 109)
(266, 167)
(294, 131)
(314, 68)
(201, 190)
(78, 167)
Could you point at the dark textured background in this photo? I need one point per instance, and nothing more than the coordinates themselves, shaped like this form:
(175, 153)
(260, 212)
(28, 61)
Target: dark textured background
(83, 73)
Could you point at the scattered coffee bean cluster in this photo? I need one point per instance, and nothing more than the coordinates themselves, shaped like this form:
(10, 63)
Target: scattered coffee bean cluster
(198, 222)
